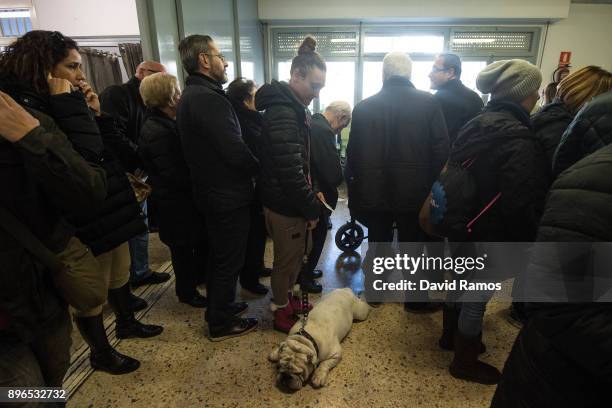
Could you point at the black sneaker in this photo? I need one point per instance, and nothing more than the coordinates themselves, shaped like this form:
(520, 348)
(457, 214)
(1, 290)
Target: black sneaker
(257, 289)
(153, 279)
(237, 327)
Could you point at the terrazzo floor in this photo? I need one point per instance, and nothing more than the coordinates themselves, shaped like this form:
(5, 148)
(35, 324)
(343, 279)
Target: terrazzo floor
(390, 360)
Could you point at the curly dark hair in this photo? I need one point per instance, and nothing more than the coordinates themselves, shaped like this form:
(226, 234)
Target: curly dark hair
(30, 58)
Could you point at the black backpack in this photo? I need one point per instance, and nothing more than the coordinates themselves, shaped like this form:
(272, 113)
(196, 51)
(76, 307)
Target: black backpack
(453, 203)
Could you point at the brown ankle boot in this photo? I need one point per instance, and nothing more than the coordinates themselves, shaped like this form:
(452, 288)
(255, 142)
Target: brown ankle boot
(466, 365)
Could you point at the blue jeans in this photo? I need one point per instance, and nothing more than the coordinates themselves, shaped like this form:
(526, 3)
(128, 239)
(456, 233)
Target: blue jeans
(139, 252)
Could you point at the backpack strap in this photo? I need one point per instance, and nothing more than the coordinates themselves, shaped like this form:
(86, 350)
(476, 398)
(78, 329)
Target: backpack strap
(484, 210)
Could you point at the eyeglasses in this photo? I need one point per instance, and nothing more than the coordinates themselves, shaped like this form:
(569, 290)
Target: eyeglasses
(221, 56)
(151, 70)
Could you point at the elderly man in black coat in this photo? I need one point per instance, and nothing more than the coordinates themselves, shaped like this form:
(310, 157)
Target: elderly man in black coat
(124, 103)
(397, 147)
(222, 170)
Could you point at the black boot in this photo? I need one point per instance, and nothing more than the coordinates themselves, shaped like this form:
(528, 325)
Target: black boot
(127, 326)
(102, 355)
(466, 365)
(450, 321)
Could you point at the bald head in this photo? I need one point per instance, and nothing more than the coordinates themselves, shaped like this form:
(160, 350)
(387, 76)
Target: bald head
(146, 68)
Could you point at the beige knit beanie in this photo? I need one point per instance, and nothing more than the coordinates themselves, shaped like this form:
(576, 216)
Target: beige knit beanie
(513, 80)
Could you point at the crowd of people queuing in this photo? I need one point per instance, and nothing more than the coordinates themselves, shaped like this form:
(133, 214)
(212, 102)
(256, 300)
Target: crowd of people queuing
(228, 168)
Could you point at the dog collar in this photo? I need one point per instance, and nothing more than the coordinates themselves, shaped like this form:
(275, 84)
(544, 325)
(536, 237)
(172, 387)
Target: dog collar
(304, 333)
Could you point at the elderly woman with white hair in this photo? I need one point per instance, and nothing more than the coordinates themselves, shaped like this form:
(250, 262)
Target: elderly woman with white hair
(327, 176)
(181, 227)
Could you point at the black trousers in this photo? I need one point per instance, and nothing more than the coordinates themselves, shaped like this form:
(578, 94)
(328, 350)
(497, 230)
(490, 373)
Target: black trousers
(380, 230)
(319, 234)
(256, 247)
(190, 263)
(227, 234)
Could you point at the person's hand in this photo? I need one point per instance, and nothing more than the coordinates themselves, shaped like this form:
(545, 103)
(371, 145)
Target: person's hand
(91, 97)
(311, 224)
(58, 86)
(15, 122)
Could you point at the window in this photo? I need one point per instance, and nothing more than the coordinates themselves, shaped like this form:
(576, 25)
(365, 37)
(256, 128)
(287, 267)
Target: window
(349, 47)
(339, 83)
(14, 22)
(426, 44)
(469, 72)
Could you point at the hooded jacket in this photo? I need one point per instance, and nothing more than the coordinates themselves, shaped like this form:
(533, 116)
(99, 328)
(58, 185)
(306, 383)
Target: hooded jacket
(563, 357)
(285, 185)
(549, 125)
(590, 131)
(507, 160)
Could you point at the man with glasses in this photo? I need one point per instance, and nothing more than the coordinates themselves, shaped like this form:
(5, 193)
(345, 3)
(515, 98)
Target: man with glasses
(459, 103)
(222, 170)
(125, 104)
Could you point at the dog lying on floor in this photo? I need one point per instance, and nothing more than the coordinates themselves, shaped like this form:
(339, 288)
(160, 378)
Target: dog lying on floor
(316, 350)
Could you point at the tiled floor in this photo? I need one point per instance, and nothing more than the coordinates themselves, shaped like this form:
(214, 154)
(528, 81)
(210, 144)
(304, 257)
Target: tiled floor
(390, 360)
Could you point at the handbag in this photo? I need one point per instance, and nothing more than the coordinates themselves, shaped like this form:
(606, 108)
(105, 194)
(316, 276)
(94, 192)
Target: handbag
(75, 271)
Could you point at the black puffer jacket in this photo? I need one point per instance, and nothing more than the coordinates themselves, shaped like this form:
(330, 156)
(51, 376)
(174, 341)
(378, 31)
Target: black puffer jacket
(118, 218)
(326, 168)
(459, 105)
(162, 154)
(285, 153)
(563, 357)
(222, 166)
(590, 131)
(397, 147)
(549, 125)
(41, 178)
(510, 161)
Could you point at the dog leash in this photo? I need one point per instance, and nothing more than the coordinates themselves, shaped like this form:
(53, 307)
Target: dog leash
(305, 301)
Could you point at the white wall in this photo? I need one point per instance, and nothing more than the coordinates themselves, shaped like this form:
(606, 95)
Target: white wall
(412, 9)
(78, 18)
(587, 33)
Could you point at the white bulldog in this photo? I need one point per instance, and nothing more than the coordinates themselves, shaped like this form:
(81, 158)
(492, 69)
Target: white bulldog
(316, 350)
